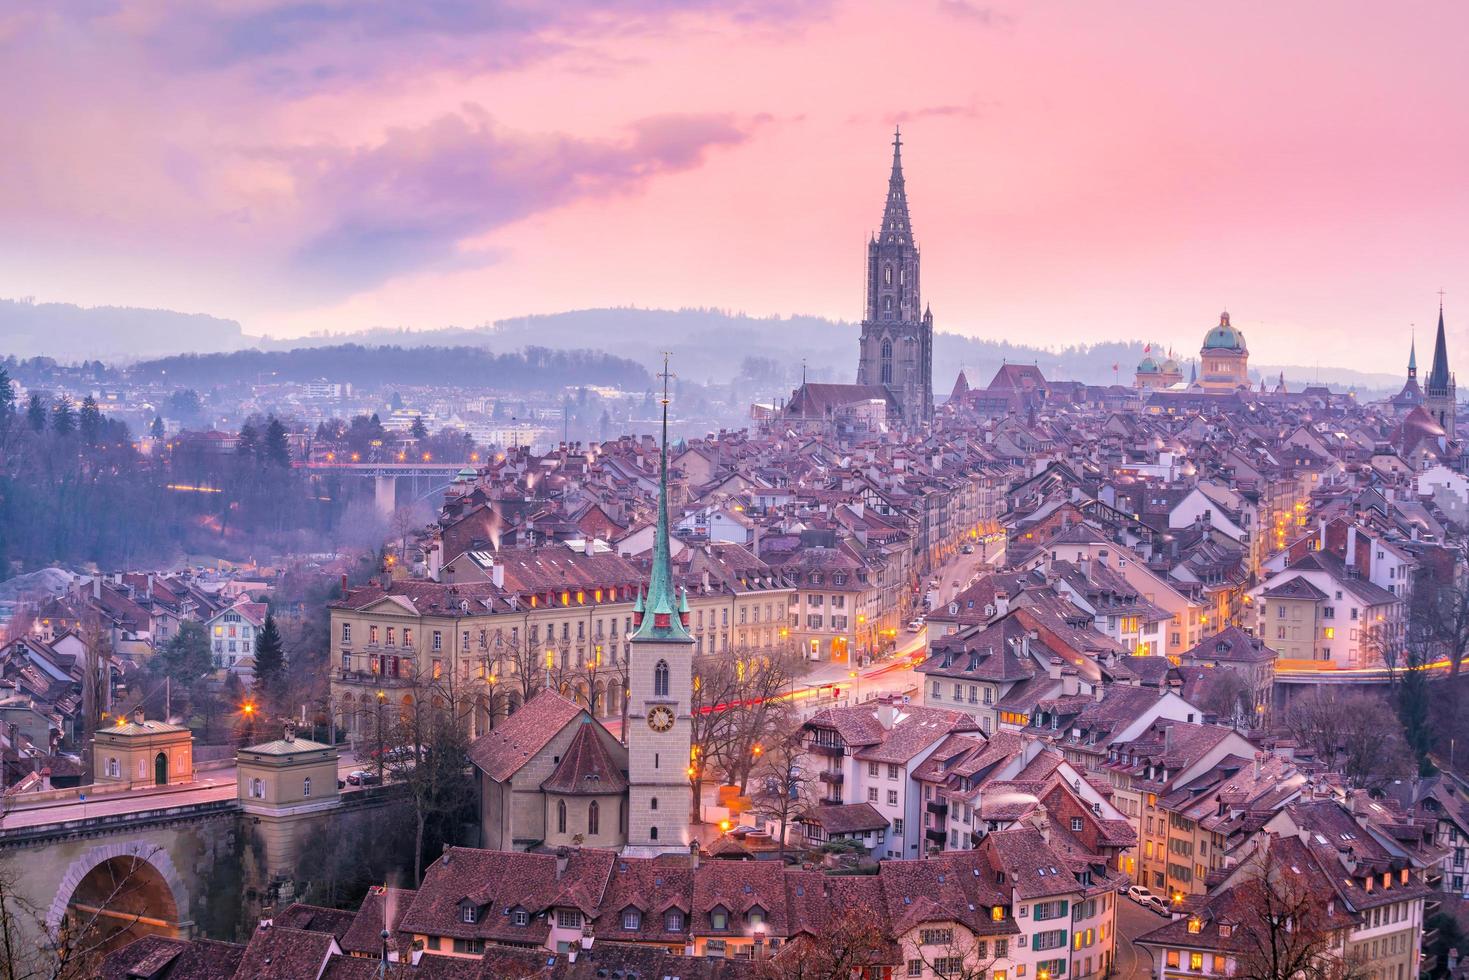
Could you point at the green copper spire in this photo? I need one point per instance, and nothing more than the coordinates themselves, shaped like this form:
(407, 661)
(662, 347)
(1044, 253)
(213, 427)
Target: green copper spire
(661, 619)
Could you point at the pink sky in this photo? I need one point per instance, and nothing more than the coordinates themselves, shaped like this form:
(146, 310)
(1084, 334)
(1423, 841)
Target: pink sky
(1077, 171)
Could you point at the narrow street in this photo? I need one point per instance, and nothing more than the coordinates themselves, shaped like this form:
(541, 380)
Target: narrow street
(1132, 921)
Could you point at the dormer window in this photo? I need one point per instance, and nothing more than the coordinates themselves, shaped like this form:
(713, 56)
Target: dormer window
(755, 917)
(520, 917)
(719, 918)
(468, 913)
(673, 920)
(632, 920)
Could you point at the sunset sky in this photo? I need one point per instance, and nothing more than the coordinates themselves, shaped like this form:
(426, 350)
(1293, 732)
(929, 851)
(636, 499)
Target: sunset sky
(1078, 171)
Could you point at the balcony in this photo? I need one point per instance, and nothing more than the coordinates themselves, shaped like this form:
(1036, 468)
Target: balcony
(834, 778)
(937, 835)
(831, 751)
(831, 799)
(366, 678)
(939, 806)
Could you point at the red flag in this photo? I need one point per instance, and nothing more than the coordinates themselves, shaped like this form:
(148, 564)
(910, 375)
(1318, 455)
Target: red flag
(1147, 348)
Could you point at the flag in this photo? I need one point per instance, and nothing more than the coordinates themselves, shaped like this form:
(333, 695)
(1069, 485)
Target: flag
(1147, 348)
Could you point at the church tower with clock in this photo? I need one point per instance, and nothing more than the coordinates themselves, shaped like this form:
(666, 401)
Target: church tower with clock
(660, 685)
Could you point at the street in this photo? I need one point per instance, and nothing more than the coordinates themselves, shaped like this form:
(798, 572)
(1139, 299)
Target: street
(1133, 921)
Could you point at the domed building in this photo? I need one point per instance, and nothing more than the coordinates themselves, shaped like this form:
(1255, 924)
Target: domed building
(1147, 373)
(1225, 358)
(1153, 374)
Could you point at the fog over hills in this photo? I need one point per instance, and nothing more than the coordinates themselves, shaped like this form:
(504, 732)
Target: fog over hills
(710, 345)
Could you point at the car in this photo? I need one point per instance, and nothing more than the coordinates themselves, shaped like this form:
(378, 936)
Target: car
(1140, 894)
(1157, 904)
(361, 777)
(915, 626)
(967, 549)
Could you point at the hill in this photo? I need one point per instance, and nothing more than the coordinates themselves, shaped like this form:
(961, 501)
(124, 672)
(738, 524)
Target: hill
(110, 333)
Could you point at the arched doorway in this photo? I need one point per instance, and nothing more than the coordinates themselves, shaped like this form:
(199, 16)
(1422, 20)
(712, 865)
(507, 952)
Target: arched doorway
(120, 899)
(160, 769)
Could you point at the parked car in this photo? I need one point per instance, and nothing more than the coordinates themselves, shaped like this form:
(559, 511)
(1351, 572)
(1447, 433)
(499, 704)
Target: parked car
(915, 626)
(1157, 904)
(1140, 894)
(361, 777)
(967, 549)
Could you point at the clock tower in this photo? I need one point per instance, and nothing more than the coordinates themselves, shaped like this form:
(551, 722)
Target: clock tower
(660, 684)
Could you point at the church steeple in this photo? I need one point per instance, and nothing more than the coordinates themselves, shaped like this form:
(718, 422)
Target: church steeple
(661, 620)
(1438, 376)
(1413, 358)
(896, 229)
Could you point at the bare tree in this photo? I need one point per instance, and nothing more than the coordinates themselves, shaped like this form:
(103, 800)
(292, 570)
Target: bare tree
(96, 671)
(784, 788)
(427, 754)
(850, 943)
(30, 950)
(951, 952)
(1440, 605)
(1285, 930)
(1356, 734)
(1228, 696)
(402, 523)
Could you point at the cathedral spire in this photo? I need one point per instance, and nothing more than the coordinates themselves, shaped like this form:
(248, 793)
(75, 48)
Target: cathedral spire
(661, 620)
(1413, 357)
(896, 229)
(1438, 376)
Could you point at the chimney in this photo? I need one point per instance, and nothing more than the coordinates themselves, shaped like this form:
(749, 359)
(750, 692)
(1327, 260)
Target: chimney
(1041, 820)
(563, 858)
(1259, 758)
(150, 585)
(1084, 565)
(694, 854)
(1351, 547)
(138, 716)
(97, 586)
(497, 575)
(289, 734)
(1070, 682)
(887, 711)
(344, 583)
(589, 548)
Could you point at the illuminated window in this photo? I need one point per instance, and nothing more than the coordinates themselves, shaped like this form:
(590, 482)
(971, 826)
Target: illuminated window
(1329, 632)
(1195, 961)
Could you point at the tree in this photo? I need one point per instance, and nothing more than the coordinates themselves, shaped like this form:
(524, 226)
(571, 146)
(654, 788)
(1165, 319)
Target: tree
(784, 788)
(29, 950)
(36, 412)
(90, 420)
(187, 656)
(184, 404)
(418, 430)
(1440, 605)
(270, 665)
(403, 522)
(247, 446)
(7, 396)
(1413, 709)
(1284, 931)
(853, 939)
(1353, 733)
(63, 417)
(1229, 697)
(429, 756)
(156, 429)
(277, 450)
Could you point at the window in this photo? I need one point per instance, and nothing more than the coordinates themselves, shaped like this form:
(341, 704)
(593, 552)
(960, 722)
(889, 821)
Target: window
(306, 786)
(673, 921)
(872, 771)
(114, 768)
(660, 679)
(892, 771)
(898, 826)
(469, 914)
(346, 633)
(568, 918)
(257, 788)
(719, 919)
(892, 797)
(1075, 825)
(520, 917)
(561, 816)
(872, 794)
(631, 919)
(915, 968)
(1195, 961)
(886, 369)
(653, 803)
(593, 817)
(407, 637)
(936, 937)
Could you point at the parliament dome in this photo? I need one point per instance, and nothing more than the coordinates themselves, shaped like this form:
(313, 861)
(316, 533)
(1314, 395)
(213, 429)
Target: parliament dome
(1224, 336)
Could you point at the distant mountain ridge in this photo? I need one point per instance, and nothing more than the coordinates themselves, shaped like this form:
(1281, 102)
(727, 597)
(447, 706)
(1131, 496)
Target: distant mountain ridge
(769, 354)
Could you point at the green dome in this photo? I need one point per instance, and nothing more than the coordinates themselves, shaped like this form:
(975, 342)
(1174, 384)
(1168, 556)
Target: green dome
(1170, 366)
(1224, 336)
(1147, 366)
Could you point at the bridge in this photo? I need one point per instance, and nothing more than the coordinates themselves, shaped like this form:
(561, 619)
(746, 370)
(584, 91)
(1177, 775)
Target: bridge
(426, 476)
(182, 860)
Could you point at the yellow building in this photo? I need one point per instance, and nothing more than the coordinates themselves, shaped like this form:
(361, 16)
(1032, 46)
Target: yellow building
(288, 775)
(140, 752)
(1225, 358)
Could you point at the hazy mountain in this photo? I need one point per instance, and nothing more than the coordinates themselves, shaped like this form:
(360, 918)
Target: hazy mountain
(709, 345)
(110, 333)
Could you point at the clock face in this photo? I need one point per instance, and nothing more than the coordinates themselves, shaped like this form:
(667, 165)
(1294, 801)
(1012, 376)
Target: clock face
(660, 719)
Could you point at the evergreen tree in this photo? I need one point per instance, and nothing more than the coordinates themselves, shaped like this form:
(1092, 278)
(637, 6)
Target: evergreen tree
(248, 446)
(63, 417)
(277, 449)
(7, 395)
(186, 658)
(270, 663)
(418, 430)
(156, 429)
(36, 412)
(90, 420)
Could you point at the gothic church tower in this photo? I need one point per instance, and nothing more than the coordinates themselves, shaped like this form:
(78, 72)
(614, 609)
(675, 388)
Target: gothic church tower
(897, 330)
(660, 686)
(1438, 393)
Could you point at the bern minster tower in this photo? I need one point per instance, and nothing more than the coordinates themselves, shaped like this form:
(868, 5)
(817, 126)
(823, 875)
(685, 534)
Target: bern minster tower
(660, 685)
(897, 331)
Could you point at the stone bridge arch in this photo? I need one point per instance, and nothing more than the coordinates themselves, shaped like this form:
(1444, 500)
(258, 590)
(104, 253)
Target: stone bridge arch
(153, 855)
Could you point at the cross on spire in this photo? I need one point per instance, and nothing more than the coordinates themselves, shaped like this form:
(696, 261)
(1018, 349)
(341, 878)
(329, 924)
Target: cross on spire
(666, 375)
(1440, 299)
